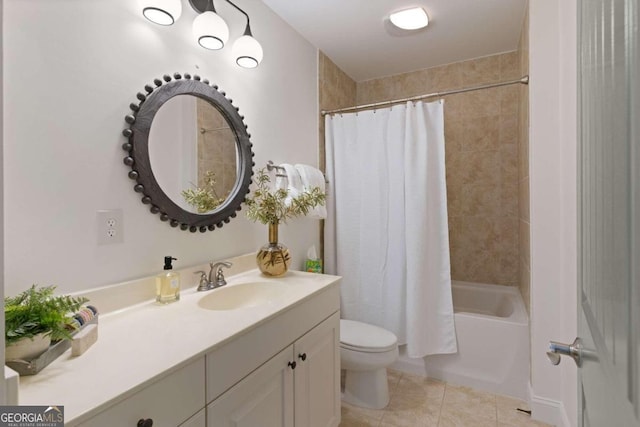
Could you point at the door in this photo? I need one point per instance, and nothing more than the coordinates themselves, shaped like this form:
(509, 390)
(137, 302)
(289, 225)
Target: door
(317, 375)
(609, 197)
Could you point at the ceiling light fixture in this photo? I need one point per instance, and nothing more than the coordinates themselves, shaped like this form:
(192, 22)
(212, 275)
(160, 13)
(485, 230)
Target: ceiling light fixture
(209, 29)
(161, 12)
(410, 19)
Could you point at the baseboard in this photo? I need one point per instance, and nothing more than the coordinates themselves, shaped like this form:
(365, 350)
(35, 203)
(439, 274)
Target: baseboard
(548, 411)
(410, 366)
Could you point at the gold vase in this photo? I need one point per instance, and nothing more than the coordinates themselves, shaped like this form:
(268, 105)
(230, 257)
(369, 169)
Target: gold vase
(273, 259)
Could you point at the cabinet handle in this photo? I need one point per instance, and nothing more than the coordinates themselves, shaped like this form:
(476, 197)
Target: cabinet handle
(145, 423)
(292, 364)
(302, 356)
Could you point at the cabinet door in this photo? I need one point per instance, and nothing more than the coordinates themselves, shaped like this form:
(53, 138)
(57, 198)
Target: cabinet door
(264, 398)
(198, 420)
(167, 402)
(317, 375)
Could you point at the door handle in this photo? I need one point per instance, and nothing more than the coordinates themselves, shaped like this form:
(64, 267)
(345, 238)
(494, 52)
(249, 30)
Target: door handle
(573, 350)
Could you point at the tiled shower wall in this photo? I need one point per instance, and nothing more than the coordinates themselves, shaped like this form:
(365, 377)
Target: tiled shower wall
(482, 132)
(216, 148)
(335, 90)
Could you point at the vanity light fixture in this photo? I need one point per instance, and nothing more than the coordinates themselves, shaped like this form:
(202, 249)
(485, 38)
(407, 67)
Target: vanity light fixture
(247, 50)
(410, 19)
(209, 29)
(161, 12)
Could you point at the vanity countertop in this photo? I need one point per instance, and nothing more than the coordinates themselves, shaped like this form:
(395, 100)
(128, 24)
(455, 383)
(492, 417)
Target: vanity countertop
(144, 342)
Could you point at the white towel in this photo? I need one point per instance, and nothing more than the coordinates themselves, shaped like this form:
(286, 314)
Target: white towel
(293, 183)
(312, 177)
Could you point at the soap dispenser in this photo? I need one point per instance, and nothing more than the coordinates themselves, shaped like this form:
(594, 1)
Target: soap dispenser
(168, 283)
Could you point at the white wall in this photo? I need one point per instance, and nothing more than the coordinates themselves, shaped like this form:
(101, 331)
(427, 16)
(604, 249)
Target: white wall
(71, 70)
(553, 124)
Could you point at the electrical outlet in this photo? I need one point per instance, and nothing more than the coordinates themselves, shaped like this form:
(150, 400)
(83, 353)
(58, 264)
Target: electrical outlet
(109, 226)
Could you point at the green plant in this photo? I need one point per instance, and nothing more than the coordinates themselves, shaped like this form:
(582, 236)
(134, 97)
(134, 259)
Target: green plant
(205, 198)
(35, 311)
(268, 205)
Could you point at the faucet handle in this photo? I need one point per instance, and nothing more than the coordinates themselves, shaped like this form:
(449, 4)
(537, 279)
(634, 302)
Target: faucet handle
(204, 283)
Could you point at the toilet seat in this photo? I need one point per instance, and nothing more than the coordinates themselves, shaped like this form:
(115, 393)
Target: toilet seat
(365, 338)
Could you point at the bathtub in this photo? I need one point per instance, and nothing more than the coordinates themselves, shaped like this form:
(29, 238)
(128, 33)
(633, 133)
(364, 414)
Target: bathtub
(492, 329)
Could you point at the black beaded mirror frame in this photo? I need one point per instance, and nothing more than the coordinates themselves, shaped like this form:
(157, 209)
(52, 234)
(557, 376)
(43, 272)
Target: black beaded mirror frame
(137, 146)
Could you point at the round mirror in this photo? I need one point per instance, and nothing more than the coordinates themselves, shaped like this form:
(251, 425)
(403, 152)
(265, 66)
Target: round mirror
(189, 153)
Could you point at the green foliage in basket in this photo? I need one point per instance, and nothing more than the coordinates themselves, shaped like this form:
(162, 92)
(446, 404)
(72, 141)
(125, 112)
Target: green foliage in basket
(268, 205)
(35, 311)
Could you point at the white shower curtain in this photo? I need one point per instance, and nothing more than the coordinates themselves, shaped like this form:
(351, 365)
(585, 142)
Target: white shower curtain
(386, 232)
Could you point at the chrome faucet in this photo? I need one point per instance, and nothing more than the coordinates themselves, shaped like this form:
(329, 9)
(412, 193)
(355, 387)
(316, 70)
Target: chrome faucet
(217, 267)
(210, 282)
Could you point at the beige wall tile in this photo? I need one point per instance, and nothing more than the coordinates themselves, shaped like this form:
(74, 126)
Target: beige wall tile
(509, 131)
(481, 200)
(483, 153)
(509, 200)
(509, 166)
(510, 66)
(453, 108)
(411, 84)
(453, 133)
(481, 71)
(481, 134)
(455, 200)
(509, 99)
(446, 77)
(375, 90)
(524, 199)
(524, 234)
(480, 167)
(524, 136)
(481, 103)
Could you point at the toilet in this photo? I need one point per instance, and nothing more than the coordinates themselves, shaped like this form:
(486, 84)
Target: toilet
(365, 352)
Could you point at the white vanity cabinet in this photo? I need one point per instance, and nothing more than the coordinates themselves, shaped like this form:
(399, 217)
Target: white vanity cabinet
(299, 386)
(317, 375)
(190, 365)
(198, 420)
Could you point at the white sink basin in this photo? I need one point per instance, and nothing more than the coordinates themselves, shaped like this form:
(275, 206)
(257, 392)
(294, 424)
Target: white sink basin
(243, 295)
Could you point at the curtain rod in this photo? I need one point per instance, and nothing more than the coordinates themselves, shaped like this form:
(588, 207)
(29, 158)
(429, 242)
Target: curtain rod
(524, 80)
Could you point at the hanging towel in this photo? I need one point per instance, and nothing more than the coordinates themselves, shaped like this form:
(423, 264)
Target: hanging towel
(312, 177)
(294, 183)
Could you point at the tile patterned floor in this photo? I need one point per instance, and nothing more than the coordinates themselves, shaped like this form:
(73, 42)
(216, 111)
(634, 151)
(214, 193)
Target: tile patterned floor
(421, 402)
